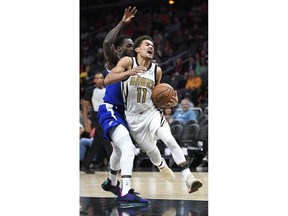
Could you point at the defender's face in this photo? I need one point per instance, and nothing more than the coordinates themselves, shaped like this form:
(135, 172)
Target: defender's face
(127, 48)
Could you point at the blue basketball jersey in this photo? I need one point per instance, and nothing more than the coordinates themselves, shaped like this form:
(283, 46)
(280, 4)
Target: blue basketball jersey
(113, 93)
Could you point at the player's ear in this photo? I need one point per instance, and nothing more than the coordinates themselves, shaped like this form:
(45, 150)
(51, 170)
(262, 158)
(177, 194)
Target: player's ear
(118, 48)
(137, 49)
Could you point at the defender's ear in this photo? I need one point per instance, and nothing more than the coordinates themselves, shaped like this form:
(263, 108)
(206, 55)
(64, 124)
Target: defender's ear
(118, 48)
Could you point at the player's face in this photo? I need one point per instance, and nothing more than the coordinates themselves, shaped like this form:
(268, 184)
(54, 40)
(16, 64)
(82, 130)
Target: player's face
(127, 48)
(147, 49)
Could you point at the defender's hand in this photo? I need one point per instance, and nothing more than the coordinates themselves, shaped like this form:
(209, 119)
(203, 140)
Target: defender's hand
(129, 14)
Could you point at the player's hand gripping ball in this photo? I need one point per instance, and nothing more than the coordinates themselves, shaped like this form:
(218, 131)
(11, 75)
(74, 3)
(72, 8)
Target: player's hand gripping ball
(162, 94)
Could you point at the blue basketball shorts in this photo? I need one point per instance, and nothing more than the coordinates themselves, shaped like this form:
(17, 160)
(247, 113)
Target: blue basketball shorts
(110, 116)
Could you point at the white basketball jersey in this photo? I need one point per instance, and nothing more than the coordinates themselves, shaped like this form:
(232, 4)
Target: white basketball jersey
(137, 90)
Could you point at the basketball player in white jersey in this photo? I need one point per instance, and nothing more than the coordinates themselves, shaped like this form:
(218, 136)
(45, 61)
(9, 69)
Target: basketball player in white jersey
(112, 120)
(145, 121)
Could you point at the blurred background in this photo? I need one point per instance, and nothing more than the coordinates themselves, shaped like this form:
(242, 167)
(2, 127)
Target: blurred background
(179, 30)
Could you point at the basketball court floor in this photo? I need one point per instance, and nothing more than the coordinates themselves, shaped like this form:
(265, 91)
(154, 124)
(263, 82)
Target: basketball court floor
(167, 199)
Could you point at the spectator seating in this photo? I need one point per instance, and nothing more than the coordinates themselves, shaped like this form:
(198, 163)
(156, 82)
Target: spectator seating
(197, 110)
(203, 143)
(203, 123)
(192, 121)
(202, 117)
(203, 138)
(205, 111)
(189, 135)
(176, 131)
(175, 122)
(189, 140)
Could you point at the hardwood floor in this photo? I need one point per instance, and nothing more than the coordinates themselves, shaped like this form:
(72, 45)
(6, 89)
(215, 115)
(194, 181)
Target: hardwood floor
(166, 198)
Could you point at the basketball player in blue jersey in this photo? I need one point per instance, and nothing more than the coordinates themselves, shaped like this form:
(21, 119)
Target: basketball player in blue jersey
(111, 118)
(146, 123)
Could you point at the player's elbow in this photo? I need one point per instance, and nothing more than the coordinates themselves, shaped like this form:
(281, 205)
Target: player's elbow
(107, 44)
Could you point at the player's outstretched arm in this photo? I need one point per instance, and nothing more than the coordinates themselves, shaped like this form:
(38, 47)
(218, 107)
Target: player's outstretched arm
(108, 47)
(122, 71)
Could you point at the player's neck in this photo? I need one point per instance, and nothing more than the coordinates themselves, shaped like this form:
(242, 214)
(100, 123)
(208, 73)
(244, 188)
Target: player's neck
(143, 62)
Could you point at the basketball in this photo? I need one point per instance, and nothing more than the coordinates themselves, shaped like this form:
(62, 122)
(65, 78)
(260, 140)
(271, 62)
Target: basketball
(162, 94)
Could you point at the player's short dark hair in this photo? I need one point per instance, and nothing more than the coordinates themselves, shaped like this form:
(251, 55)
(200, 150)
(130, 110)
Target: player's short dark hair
(139, 40)
(119, 40)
